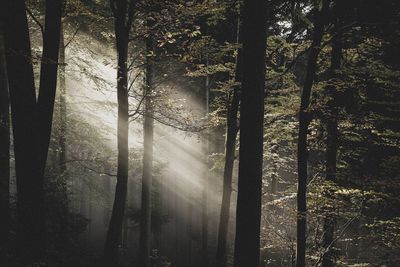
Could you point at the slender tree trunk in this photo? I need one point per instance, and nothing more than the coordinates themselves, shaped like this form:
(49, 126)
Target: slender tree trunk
(4, 153)
(328, 258)
(148, 133)
(123, 11)
(48, 76)
(115, 228)
(204, 193)
(304, 121)
(63, 105)
(247, 242)
(30, 215)
(230, 146)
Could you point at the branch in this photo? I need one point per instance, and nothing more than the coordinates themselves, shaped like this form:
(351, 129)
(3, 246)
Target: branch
(138, 107)
(72, 38)
(96, 171)
(35, 20)
(294, 61)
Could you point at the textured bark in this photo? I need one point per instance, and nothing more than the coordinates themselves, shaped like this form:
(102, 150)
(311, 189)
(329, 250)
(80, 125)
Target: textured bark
(148, 133)
(30, 215)
(123, 13)
(48, 76)
(4, 153)
(304, 121)
(230, 146)
(247, 243)
(328, 258)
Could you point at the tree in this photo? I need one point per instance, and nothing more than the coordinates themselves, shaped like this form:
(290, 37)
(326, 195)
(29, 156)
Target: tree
(31, 119)
(247, 242)
(148, 134)
(48, 75)
(304, 121)
(4, 153)
(332, 141)
(26, 140)
(123, 11)
(230, 147)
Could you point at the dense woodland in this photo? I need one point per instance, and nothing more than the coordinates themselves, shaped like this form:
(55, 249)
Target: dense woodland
(205, 133)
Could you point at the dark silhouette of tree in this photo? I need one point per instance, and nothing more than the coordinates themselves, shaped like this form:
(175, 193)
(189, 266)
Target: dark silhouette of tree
(26, 143)
(332, 132)
(147, 178)
(48, 75)
(31, 120)
(123, 11)
(230, 147)
(247, 242)
(4, 152)
(304, 121)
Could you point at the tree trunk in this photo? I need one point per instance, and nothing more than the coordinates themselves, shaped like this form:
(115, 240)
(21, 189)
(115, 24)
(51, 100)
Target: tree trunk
(123, 15)
(30, 214)
(4, 154)
(115, 228)
(148, 133)
(230, 146)
(48, 76)
(304, 121)
(328, 258)
(204, 193)
(247, 242)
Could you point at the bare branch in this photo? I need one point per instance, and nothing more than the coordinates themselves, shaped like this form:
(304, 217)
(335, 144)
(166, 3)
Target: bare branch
(35, 20)
(72, 38)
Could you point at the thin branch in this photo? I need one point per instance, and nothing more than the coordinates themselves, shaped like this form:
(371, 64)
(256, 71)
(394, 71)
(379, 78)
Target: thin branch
(138, 107)
(294, 61)
(96, 171)
(72, 38)
(35, 20)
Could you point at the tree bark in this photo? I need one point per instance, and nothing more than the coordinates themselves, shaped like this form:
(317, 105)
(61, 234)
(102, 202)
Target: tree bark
(4, 153)
(30, 214)
(123, 13)
(230, 146)
(304, 121)
(247, 243)
(328, 258)
(48, 76)
(148, 134)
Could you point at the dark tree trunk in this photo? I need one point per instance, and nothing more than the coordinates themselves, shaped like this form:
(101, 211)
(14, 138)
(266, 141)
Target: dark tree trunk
(247, 242)
(304, 121)
(148, 134)
(118, 211)
(123, 13)
(204, 193)
(230, 146)
(328, 258)
(63, 106)
(48, 76)
(30, 214)
(4, 153)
